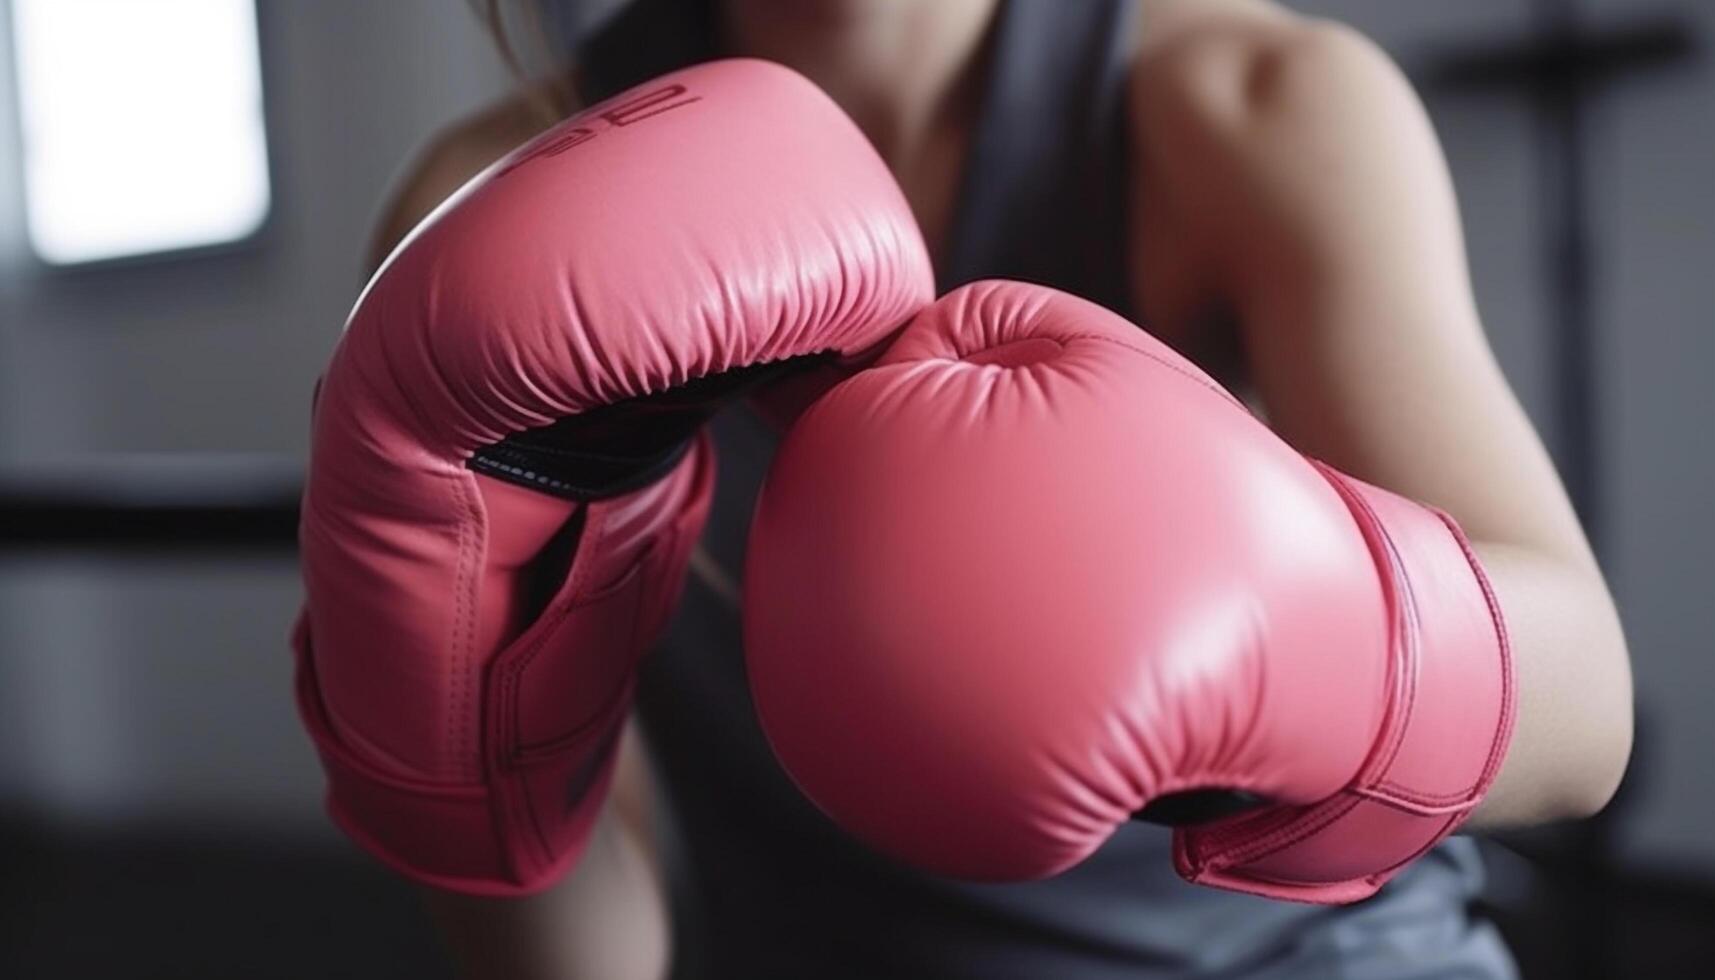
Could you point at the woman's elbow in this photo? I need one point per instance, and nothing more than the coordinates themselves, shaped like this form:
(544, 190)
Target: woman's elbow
(1605, 723)
(1610, 753)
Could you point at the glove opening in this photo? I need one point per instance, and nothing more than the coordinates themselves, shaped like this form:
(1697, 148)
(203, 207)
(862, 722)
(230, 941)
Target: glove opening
(618, 448)
(1197, 806)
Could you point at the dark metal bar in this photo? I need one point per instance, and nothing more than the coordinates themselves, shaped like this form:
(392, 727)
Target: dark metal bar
(174, 503)
(1565, 227)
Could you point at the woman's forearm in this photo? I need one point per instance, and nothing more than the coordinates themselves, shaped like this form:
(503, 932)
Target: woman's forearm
(607, 920)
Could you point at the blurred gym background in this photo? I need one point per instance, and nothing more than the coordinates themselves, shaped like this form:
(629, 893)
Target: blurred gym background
(185, 190)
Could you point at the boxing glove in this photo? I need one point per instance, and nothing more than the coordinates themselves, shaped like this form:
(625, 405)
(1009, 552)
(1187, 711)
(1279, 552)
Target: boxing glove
(507, 473)
(1033, 573)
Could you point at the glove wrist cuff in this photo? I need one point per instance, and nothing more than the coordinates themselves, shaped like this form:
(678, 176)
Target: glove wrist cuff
(1451, 706)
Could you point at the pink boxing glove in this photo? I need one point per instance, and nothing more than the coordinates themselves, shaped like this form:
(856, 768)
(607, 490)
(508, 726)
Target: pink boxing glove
(507, 473)
(1033, 571)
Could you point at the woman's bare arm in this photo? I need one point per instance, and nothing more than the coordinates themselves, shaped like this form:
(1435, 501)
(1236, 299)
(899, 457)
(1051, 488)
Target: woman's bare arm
(608, 918)
(1307, 192)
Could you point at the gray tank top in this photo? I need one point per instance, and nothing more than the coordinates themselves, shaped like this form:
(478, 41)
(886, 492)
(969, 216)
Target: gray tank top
(768, 886)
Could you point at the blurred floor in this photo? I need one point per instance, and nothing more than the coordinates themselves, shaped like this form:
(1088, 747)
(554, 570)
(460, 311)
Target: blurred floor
(181, 906)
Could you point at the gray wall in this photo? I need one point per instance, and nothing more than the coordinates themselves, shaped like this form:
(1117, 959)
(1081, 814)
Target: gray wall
(147, 690)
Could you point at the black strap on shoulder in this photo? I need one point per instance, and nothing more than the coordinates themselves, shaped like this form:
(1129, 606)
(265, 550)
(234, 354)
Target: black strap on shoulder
(643, 39)
(1044, 196)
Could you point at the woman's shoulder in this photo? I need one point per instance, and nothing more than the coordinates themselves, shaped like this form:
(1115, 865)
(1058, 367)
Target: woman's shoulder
(1227, 53)
(1234, 101)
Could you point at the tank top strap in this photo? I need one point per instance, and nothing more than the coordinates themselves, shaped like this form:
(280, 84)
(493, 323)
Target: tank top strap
(637, 41)
(1044, 195)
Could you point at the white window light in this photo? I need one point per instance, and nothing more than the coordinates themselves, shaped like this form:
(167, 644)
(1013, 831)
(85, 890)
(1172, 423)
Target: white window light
(142, 125)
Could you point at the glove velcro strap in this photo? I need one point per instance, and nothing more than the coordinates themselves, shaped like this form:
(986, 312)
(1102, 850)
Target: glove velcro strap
(1452, 701)
(480, 839)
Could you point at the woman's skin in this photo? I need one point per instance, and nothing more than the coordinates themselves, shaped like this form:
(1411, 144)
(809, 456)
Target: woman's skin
(1285, 178)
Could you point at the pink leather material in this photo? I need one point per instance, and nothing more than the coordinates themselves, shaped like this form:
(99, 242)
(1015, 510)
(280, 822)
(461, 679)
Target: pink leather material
(1034, 570)
(1452, 702)
(719, 217)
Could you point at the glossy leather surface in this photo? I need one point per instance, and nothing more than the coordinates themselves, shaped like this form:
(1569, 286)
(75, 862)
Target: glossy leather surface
(467, 646)
(1033, 570)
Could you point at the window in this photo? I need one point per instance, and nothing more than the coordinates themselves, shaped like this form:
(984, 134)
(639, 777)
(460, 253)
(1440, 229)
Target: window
(142, 125)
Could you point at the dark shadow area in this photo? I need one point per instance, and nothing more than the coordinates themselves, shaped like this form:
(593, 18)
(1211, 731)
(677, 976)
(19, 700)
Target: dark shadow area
(1654, 925)
(191, 908)
(177, 906)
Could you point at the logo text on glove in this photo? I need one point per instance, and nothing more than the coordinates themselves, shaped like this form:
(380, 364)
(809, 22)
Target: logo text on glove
(629, 112)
